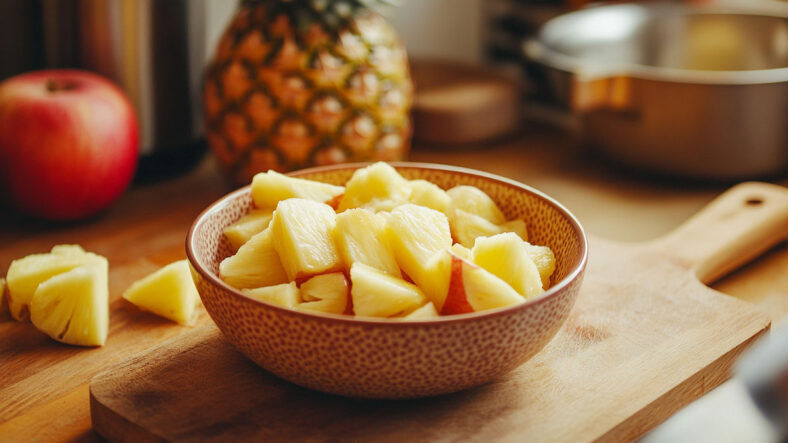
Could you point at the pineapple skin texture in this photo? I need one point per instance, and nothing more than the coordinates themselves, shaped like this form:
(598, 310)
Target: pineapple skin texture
(283, 95)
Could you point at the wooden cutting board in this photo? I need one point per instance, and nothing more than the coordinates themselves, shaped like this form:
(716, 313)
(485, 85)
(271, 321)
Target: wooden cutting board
(645, 338)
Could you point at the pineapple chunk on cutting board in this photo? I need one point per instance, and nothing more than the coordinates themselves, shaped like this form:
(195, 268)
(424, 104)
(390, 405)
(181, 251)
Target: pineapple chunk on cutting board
(73, 307)
(168, 292)
(27, 273)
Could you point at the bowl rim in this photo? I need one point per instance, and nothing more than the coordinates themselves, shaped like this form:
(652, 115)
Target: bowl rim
(552, 292)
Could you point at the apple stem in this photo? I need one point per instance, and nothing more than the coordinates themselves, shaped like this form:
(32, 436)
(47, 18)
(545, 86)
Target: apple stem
(55, 86)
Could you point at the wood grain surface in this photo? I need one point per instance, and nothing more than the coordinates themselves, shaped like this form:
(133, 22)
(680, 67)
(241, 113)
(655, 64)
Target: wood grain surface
(644, 339)
(44, 385)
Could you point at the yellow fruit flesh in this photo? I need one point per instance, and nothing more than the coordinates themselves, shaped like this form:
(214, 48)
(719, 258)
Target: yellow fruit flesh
(268, 189)
(475, 201)
(416, 234)
(466, 227)
(544, 259)
(430, 195)
(376, 294)
(26, 274)
(73, 307)
(378, 186)
(360, 238)
(247, 226)
(302, 238)
(168, 292)
(285, 295)
(424, 312)
(325, 293)
(484, 290)
(517, 226)
(462, 252)
(505, 255)
(256, 264)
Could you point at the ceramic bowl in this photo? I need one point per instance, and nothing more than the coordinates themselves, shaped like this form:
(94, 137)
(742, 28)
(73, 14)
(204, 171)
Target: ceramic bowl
(384, 358)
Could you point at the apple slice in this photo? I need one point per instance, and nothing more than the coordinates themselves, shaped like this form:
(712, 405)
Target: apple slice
(475, 201)
(73, 307)
(360, 238)
(506, 256)
(424, 312)
(256, 264)
(416, 235)
(168, 292)
(377, 294)
(473, 289)
(325, 293)
(269, 188)
(544, 259)
(302, 238)
(285, 295)
(428, 194)
(25, 274)
(378, 186)
(466, 227)
(247, 226)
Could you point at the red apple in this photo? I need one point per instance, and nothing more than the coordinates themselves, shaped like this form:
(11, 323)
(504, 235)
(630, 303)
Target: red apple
(69, 143)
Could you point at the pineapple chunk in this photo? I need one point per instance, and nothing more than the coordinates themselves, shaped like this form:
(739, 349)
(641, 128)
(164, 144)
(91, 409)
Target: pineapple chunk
(475, 201)
(247, 226)
(325, 293)
(416, 235)
(360, 237)
(268, 189)
(428, 194)
(377, 294)
(544, 259)
(256, 264)
(517, 226)
(168, 292)
(378, 186)
(426, 311)
(506, 256)
(302, 238)
(466, 227)
(285, 295)
(26, 274)
(73, 307)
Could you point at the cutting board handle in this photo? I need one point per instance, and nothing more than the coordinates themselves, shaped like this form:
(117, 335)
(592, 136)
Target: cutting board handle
(739, 225)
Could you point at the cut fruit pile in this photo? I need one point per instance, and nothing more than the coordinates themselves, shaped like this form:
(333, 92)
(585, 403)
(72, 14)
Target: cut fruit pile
(65, 294)
(382, 246)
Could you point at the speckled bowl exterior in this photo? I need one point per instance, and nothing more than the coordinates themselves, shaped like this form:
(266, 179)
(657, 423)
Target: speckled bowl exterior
(382, 358)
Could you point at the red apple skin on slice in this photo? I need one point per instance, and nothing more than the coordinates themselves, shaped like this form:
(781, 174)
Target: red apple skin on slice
(456, 301)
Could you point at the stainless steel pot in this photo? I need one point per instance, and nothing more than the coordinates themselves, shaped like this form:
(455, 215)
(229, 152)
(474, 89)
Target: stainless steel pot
(688, 90)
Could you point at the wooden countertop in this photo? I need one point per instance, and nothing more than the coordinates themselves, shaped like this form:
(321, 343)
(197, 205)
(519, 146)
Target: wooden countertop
(151, 221)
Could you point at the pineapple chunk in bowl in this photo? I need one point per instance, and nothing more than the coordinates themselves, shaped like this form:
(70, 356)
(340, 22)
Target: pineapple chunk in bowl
(386, 358)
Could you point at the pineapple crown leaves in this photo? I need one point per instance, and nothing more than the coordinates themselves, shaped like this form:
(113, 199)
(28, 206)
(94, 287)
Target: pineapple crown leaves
(331, 13)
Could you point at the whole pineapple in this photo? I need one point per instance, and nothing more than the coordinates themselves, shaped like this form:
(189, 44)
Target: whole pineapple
(296, 83)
